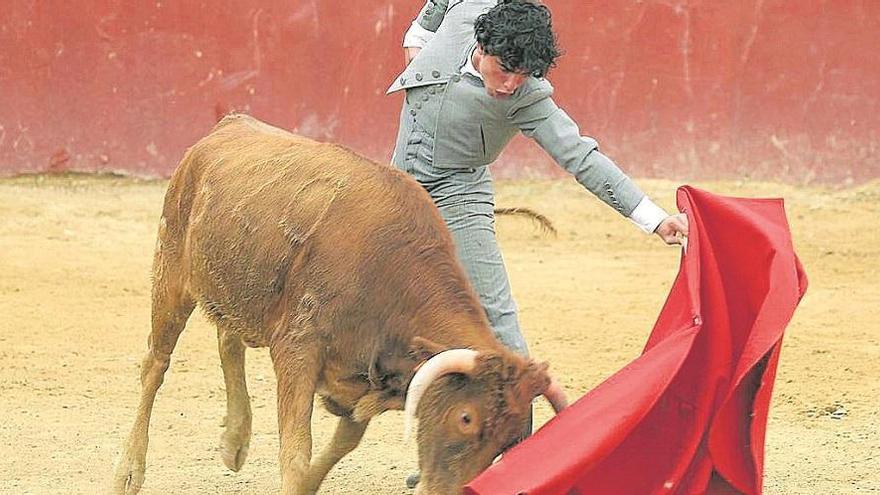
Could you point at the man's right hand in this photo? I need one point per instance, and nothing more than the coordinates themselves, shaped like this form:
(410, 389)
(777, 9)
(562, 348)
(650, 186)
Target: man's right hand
(673, 229)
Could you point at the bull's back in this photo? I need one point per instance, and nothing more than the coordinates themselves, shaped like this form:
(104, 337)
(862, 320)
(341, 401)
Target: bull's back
(269, 216)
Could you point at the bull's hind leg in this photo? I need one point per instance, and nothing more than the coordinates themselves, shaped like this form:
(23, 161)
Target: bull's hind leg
(171, 308)
(236, 437)
(347, 436)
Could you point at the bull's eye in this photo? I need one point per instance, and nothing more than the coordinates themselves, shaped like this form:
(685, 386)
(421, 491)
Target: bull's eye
(467, 422)
(466, 418)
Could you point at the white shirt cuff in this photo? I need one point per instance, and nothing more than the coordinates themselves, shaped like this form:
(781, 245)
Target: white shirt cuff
(417, 36)
(648, 215)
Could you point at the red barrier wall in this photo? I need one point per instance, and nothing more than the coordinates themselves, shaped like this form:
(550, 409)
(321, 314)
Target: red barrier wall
(779, 89)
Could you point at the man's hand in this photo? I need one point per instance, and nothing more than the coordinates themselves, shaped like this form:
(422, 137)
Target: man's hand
(673, 229)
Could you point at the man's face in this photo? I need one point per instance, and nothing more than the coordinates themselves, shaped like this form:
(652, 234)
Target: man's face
(499, 82)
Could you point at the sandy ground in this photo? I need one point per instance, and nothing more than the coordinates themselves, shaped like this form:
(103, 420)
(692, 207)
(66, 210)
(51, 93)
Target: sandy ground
(75, 257)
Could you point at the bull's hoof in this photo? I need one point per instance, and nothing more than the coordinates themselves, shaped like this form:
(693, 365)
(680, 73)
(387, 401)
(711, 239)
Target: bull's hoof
(413, 480)
(129, 476)
(234, 449)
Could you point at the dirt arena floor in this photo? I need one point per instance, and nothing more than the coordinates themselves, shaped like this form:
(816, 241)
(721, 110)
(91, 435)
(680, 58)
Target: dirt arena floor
(75, 256)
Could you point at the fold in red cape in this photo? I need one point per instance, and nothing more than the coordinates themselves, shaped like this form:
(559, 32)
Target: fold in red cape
(689, 415)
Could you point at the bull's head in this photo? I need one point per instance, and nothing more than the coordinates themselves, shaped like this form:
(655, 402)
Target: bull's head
(470, 407)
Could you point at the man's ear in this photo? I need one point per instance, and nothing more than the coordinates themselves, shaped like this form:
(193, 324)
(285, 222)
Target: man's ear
(422, 349)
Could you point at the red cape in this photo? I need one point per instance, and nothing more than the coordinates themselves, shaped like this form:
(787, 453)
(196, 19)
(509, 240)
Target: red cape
(689, 415)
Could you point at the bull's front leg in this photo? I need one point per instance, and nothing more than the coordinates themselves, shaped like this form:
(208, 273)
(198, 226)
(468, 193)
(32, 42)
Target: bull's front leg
(297, 366)
(347, 436)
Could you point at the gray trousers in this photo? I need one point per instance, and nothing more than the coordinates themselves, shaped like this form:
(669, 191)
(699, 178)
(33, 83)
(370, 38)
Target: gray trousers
(466, 199)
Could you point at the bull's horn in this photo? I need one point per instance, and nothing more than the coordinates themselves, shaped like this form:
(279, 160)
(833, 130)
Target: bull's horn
(556, 396)
(450, 361)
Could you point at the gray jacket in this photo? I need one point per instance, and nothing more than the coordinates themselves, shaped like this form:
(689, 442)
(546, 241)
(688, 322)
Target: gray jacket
(471, 128)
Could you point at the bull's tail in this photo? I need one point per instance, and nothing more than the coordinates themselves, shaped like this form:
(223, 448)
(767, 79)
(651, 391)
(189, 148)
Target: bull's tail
(544, 222)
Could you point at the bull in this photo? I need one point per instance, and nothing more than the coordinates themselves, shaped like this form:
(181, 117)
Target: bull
(344, 269)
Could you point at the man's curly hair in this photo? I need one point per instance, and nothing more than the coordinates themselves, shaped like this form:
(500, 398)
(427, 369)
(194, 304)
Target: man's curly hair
(520, 33)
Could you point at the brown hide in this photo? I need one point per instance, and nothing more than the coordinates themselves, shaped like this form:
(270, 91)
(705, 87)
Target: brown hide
(298, 246)
(274, 225)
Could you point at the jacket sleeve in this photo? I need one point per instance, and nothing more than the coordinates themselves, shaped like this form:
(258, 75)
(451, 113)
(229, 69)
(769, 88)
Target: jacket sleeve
(423, 27)
(432, 14)
(542, 120)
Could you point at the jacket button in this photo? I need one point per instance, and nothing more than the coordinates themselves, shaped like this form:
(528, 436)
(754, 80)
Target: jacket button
(418, 104)
(435, 73)
(456, 78)
(412, 112)
(418, 76)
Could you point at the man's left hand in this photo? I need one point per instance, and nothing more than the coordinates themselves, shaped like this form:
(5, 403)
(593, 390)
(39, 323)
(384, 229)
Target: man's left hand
(673, 229)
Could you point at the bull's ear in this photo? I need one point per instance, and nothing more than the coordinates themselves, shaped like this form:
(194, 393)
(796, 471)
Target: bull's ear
(537, 379)
(422, 349)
